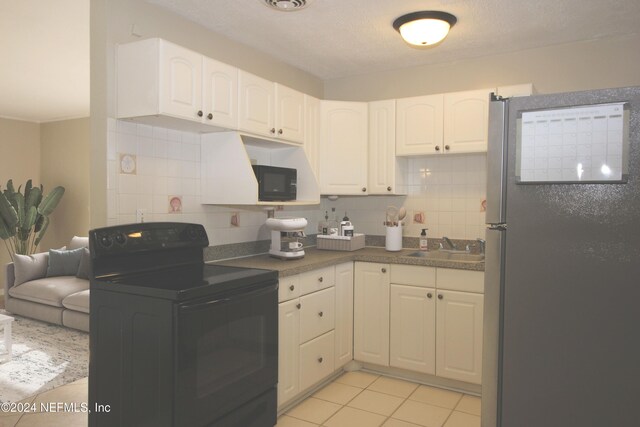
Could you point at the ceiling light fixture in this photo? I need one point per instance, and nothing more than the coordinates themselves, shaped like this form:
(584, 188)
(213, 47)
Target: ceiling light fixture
(287, 5)
(424, 28)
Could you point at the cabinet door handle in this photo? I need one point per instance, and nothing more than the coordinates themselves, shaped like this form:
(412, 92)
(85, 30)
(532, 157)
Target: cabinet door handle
(321, 314)
(389, 188)
(364, 189)
(429, 295)
(320, 279)
(200, 113)
(298, 306)
(384, 270)
(437, 148)
(279, 131)
(440, 296)
(446, 147)
(291, 287)
(209, 116)
(272, 131)
(320, 359)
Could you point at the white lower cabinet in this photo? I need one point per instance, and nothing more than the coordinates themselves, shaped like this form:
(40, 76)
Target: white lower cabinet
(316, 360)
(413, 328)
(344, 314)
(371, 313)
(459, 336)
(288, 350)
(317, 314)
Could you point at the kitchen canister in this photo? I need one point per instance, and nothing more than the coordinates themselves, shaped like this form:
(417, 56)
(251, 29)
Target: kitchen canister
(393, 240)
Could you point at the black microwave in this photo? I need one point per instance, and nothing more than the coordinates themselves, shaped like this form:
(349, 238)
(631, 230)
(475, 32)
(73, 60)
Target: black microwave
(276, 184)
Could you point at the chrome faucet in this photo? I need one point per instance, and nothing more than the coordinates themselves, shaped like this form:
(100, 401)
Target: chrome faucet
(450, 244)
(482, 244)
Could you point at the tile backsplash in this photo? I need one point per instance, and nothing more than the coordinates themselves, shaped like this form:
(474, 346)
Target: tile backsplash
(157, 171)
(164, 183)
(445, 194)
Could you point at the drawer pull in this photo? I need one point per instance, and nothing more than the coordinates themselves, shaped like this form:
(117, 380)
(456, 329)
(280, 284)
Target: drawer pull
(298, 306)
(320, 279)
(429, 295)
(320, 359)
(291, 287)
(320, 314)
(384, 270)
(440, 296)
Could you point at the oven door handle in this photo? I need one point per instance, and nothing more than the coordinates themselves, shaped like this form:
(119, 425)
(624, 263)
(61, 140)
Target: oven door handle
(188, 308)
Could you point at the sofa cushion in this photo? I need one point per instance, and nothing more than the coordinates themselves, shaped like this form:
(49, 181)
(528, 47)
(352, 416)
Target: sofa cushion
(29, 267)
(79, 242)
(85, 264)
(49, 290)
(64, 263)
(78, 301)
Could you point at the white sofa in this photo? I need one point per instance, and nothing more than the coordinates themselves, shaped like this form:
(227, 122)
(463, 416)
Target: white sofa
(63, 300)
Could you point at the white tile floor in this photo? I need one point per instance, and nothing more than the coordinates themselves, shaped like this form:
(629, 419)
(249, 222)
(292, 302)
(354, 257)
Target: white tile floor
(356, 399)
(361, 399)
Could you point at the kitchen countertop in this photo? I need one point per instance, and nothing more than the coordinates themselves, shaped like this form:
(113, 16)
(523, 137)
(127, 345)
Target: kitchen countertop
(316, 258)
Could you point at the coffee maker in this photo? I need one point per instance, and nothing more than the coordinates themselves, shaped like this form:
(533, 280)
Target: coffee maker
(286, 234)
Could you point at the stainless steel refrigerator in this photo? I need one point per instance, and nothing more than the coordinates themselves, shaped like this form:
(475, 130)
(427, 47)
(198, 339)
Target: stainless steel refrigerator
(562, 277)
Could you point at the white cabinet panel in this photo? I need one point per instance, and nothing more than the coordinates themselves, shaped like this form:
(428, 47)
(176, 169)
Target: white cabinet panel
(288, 288)
(220, 94)
(459, 336)
(413, 275)
(256, 104)
(466, 121)
(316, 360)
(371, 313)
(413, 328)
(419, 125)
(312, 131)
(288, 351)
(343, 147)
(344, 314)
(316, 280)
(317, 314)
(289, 114)
(386, 171)
(181, 81)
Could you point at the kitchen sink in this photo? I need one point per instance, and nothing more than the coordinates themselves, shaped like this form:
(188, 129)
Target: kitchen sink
(462, 256)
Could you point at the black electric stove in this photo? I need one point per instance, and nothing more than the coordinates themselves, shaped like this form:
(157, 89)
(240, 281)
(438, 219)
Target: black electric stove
(174, 341)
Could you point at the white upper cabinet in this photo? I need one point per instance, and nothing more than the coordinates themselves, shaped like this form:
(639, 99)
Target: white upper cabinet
(444, 123)
(419, 125)
(466, 121)
(524, 89)
(220, 93)
(312, 131)
(386, 171)
(270, 109)
(289, 114)
(257, 105)
(343, 147)
(163, 84)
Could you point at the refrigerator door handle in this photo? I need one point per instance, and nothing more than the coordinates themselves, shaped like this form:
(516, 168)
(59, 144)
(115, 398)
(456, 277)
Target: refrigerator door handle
(497, 161)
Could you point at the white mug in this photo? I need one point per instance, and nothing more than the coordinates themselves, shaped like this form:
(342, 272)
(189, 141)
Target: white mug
(295, 245)
(333, 232)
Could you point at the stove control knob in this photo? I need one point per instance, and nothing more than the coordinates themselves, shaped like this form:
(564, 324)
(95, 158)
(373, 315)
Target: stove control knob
(105, 241)
(121, 239)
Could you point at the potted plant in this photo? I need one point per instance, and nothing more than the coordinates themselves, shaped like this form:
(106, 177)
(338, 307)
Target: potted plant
(24, 218)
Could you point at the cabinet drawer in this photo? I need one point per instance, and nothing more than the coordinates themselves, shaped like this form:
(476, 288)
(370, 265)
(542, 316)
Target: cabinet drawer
(316, 360)
(460, 280)
(288, 288)
(413, 275)
(316, 280)
(317, 314)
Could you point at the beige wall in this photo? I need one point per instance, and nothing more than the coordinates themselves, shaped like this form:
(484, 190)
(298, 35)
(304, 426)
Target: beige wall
(65, 154)
(19, 160)
(579, 66)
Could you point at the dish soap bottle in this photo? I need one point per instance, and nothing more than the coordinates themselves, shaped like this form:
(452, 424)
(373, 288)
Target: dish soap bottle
(424, 243)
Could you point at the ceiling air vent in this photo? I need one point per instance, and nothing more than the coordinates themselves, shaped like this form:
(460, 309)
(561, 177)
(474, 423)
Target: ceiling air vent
(287, 5)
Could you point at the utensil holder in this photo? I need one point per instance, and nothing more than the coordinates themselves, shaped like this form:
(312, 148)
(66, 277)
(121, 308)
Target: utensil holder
(393, 240)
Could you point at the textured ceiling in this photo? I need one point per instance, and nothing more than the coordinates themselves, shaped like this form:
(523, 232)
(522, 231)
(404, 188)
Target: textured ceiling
(337, 38)
(44, 46)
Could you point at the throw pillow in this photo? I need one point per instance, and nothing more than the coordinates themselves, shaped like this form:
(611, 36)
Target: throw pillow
(64, 263)
(85, 263)
(29, 267)
(79, 242)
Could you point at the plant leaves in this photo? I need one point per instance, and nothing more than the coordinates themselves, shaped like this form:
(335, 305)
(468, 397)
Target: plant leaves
(20, 209)
(43, 230)
(10, 187)
(27, 190)
(39, 223)
(33, 199)
(6, 232)
(50, 201)
(30, 219)
(8, 212)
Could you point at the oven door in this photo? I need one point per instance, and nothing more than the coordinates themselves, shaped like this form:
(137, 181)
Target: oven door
(227, 353)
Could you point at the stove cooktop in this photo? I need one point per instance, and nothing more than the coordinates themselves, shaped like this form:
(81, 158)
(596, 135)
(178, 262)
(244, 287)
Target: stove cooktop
(187, 282)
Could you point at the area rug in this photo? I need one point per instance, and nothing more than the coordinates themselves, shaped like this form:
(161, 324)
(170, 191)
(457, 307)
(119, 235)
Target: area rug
(44, 356)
